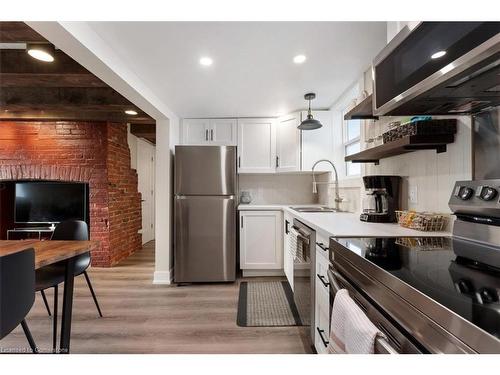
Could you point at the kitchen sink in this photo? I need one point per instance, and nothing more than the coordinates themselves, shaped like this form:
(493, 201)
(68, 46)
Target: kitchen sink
(314, 209)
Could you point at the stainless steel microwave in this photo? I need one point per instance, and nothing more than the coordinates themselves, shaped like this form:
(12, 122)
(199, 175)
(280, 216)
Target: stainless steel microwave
(439, 68)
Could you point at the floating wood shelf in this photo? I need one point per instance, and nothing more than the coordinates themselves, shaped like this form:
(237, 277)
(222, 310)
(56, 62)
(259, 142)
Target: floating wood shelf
(402, 146)
(363, 111)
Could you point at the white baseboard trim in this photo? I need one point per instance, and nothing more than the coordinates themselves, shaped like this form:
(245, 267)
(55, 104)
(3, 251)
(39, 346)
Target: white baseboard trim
(163, 277)
(257, 273)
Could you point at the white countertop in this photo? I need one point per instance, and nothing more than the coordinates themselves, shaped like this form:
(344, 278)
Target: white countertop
(342, 224)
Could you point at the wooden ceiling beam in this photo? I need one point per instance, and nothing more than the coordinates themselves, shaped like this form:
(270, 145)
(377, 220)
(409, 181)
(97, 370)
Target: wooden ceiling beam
(18, 61)
(49, 80)
(18, 32)
(61, 96)
(146, 131)
(70, 115)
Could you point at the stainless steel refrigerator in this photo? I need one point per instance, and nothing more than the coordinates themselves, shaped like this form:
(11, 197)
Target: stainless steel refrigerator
(205, 214)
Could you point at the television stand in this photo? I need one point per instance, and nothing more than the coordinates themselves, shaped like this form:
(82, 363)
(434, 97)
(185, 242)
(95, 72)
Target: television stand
(29, 232)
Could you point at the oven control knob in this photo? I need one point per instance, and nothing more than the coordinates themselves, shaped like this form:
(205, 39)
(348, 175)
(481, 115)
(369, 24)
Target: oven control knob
(488, 193)
(465, 286)
(466, 193)
(488, 295)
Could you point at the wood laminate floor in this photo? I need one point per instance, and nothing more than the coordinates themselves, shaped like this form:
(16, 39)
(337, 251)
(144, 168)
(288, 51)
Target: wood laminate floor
(140, 317)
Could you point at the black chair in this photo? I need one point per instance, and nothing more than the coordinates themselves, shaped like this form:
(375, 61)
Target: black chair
(53, 275)
(17, 292)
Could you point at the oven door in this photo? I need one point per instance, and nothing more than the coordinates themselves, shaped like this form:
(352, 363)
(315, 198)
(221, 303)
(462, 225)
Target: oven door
(395, 342)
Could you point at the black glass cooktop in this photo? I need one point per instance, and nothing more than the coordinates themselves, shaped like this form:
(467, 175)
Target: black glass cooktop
(463, 276)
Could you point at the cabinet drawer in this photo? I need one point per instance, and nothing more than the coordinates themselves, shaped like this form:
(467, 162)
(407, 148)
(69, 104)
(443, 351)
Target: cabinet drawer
(322, 242)
(322, 332)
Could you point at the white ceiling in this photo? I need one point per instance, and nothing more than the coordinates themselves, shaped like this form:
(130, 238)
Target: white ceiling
(253, 73)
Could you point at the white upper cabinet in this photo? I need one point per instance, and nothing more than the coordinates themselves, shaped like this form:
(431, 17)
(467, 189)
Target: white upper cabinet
(288, 143)
(217, 132)
(195, 131)
(223, 132)
(257, 145)
(318, 144)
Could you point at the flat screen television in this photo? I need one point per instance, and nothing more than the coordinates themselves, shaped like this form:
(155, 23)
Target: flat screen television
(49, 202)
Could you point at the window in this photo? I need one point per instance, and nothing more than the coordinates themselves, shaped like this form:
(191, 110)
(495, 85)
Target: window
(352, 144)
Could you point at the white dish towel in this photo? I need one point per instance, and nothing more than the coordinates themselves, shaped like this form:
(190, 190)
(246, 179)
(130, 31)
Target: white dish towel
(351, 331)
(295, 246)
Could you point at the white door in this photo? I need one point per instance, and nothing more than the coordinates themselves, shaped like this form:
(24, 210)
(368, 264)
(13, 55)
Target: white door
(318, 144)
(256, 145)
(288, 143)
(146, 183)
(195, 131)
(287, 256)
(261, 240)
(223, 132)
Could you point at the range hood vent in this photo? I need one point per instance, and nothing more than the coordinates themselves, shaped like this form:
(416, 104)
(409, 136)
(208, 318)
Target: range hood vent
(463, 79)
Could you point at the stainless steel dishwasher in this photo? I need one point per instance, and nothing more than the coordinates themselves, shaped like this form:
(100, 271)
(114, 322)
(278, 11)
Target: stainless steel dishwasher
(303, 275)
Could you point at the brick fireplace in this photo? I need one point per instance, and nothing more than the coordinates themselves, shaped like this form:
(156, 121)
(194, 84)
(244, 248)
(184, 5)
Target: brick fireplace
(96, 153)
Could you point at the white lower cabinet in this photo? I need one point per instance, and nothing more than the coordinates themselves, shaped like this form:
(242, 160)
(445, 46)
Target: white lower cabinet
(261, 243)
(287, 256)
(322, 302)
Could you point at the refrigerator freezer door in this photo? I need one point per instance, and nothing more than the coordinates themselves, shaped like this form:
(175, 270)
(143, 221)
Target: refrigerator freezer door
(205, 170)
(205, 238)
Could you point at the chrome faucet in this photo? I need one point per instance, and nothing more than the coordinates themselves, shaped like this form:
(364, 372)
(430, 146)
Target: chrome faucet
(335, 184)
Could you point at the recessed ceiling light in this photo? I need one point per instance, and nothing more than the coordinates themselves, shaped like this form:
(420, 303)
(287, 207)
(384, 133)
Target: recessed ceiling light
(131, 112)
(438, 54)
(206, 61)
(299, 59)
(43, 52)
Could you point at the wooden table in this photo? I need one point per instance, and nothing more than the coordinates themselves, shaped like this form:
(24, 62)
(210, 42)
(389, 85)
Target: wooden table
(50, 252)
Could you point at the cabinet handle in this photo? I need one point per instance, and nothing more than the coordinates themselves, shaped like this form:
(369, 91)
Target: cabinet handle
(242, 221)
(322, 279)
(206, 134)
(211, 134)
(277, 161)
(239, 161)
(322, 246)
(287, 223)
(321, 331)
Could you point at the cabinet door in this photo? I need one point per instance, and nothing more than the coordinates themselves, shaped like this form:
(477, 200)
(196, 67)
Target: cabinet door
(318, 144)
(195, 132)
(287, 256)
(223, 132)
(256, 145)
(288, 143)
(261, 240)
(322, 303)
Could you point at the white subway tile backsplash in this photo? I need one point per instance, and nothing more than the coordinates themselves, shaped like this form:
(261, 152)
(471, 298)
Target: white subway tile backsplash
(278, 188)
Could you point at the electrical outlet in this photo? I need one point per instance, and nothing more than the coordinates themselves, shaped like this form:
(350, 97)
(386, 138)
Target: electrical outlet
(413, 194)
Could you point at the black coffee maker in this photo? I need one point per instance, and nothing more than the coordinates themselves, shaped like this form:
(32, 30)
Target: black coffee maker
(382, 199)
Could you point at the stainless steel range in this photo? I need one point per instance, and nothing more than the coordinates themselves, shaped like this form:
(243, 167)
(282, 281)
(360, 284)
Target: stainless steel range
(436, 294)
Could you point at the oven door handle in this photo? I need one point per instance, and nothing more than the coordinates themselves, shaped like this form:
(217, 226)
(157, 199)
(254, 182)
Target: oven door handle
(382, 345)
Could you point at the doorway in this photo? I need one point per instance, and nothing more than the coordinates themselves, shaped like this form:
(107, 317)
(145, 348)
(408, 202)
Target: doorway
(146, 186)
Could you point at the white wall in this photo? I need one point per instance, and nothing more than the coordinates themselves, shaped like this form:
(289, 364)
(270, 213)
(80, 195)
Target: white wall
(132, 145)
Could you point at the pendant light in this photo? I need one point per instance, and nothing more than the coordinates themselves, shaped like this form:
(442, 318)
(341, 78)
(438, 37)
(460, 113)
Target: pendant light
(309, 123)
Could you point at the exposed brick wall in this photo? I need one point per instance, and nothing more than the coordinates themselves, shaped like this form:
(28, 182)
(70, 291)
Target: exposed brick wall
(124, 198)
(92, 152)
